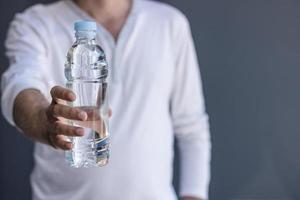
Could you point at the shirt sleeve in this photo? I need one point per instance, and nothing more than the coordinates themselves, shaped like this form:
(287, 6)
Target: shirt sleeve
(190, 120)
(26, 53)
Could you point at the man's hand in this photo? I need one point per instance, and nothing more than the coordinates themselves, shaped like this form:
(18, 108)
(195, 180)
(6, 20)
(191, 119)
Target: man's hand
(43, 121)
(57, 112)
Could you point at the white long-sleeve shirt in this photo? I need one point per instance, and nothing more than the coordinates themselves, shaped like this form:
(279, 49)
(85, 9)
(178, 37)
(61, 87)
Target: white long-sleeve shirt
(155, 94)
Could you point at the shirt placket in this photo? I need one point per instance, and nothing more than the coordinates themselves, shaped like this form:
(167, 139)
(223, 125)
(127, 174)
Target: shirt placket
(114, 47)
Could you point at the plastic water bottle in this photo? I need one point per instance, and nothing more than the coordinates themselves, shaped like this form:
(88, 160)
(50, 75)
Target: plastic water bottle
(86, 72)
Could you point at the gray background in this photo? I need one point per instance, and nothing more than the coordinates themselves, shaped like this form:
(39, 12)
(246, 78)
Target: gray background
(249, 53)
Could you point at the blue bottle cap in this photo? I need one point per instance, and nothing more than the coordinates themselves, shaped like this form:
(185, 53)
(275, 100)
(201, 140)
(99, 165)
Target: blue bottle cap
(85, 26)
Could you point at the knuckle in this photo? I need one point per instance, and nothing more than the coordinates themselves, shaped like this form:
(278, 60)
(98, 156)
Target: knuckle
(70, 131)
(53, 90)
(56, 127)
(69, 111)
(61, 110)
(74, 112)
(55, 109)
(50, 112)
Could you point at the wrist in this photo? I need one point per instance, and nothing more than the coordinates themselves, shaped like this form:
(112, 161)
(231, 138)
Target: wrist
(30, 114)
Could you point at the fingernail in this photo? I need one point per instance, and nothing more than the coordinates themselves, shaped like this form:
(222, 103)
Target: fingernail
(79, 132)
(68, 146)
(72, 96)
(82, 115)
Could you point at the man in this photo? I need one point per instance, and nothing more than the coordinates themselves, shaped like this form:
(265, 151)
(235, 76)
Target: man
(155, 93)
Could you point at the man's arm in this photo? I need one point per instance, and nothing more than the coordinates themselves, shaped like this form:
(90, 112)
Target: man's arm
(189, 118)
(25, 85)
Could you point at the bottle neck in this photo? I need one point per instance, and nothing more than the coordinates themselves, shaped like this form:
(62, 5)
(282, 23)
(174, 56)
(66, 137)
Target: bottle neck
(85, 37)
(85, 40)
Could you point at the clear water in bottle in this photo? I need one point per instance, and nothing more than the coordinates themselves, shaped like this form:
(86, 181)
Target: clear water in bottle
(86, 72)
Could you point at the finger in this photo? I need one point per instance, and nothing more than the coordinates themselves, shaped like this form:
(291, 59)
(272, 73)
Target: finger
(64, 129)
(68, 112)
(95, 114)
(58, 92)
(60, 142)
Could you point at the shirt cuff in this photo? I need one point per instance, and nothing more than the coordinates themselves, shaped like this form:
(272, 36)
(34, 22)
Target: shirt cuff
(194, 156)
